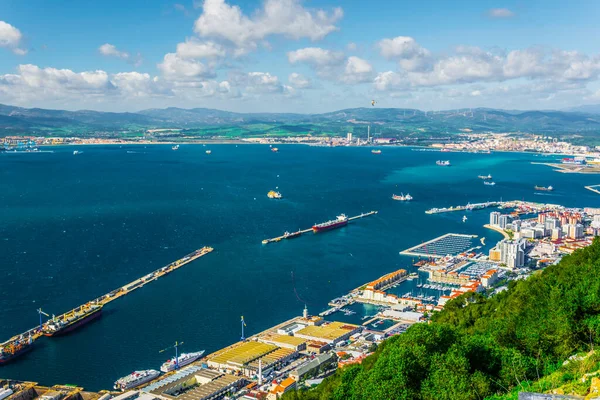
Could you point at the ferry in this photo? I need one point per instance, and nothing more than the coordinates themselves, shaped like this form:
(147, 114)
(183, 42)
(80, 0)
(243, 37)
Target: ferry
(274, 195)
(181, 361)
(544, 188)
(72, 320)
(340, 221)
(575, 160)
(135, 379)
(176, 147)
(485, 177)
(376, 151)
(489, 183)
(402, 197)
(76, 152)
(443, 163)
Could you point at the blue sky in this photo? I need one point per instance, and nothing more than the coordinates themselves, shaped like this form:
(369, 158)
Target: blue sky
(299, 56)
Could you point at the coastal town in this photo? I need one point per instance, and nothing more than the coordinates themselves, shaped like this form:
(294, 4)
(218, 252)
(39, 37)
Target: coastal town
(304, 350)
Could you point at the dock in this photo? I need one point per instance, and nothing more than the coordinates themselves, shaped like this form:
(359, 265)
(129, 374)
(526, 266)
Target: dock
(468, 207)
(13, 344)
(442, 246)
(303, 231)
(593, 188)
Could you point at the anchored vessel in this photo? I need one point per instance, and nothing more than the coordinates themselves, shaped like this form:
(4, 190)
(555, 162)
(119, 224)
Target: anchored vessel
(489, 183)
(443, 163)
(544, 188)
(15, 349)
(72, 320)
(274, 195)
(176, 147)
(485, 177)
(341, 220)
(136, 378)
(182, 360)
(376, 151)
(402, 197)
(274, 149)
(288, 235)
(208, 151)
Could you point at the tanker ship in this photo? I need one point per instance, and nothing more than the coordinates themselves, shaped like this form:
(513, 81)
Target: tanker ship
(72, 320)
(341, 220)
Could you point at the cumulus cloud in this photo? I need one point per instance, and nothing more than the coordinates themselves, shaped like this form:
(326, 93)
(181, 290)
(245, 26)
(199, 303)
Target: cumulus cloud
(288, 18)
(10, 38)
(333, 65)
(110, 50)
(197, 49)
(357, 70)
(404, 49)
(176, 68)
(258, 82)
(316, 56)
(500, 13)
(473, 64)
(299, 81)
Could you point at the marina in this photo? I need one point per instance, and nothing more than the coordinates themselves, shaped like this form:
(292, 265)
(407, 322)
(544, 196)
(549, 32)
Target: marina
(23, 342)
(468, 207)
(448, 244)
(342, 222)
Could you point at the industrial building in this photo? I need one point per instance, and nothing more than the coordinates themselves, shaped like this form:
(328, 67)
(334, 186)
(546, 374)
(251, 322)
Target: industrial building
(245, 357)
(330, 333)
(284, 341)
(200, 384)
(301, 372)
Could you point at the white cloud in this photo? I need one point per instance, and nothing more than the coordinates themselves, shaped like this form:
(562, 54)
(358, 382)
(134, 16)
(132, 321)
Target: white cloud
(409, 54)
(176, 68)
(299, 81)
(197, 49)
(357, 70)
(111, 50)
(288, 18)
(10, 37)
(351, 46)
(261, 82)
(316, 56)
(500, 13)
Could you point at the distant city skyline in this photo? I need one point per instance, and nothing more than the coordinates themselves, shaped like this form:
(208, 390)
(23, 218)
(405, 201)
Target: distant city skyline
(299, 56)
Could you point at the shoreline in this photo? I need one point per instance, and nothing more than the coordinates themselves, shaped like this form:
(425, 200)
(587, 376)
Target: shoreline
(499, 230)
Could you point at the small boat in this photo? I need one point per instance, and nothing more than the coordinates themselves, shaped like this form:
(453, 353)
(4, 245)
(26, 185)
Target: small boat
(208, 151)
(543, 188)
(274, 195)
(274, 149)
(376, 151)
(443, 163)
(484, 177)
(402, 197)
(489, 183)
(176, 147)
(288, 235)
(464, 219)
(77, 152)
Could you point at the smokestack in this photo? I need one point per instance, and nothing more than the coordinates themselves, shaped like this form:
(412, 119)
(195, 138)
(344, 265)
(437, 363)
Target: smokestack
(260, 372)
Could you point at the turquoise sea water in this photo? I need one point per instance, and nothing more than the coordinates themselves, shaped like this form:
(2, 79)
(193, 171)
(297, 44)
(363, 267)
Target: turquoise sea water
(74, 227)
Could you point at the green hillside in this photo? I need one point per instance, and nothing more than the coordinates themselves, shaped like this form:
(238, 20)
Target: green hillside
(489, 348)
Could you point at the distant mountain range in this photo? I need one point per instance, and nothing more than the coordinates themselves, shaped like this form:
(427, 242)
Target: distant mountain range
(583, 120)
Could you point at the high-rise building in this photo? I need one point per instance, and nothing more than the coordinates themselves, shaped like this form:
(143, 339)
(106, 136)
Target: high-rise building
(516, 225)
(557, 234)
(551, 223)
(512, 253)
(541, 218)
(504, 220)
(494, 216)
(349, 137)
(575, 231)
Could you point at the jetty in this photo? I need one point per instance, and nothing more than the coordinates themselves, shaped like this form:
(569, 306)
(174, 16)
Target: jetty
(12, 345)
(303, 231)
(593, 188)
(468, 207)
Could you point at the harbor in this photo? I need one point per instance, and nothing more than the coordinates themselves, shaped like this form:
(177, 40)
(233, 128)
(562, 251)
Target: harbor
(64, 323)
(468, 207)
(450, 243)
(343, 220)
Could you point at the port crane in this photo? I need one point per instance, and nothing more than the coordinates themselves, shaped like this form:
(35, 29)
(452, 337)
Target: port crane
(175, 346)
(243, 325)
(39, 310)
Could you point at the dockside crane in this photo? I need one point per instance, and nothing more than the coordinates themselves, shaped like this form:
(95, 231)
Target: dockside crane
(41, 312)
(175, 346)
(243, 325)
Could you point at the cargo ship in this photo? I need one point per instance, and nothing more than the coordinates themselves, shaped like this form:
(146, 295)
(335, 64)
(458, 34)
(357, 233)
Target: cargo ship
(485, 177)
(274, 195)
(544, 188)
(15, 348)
(72, 320)
(341, 220)
(135, 379)
(181, 361)
(443, 163)
(376, 151)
